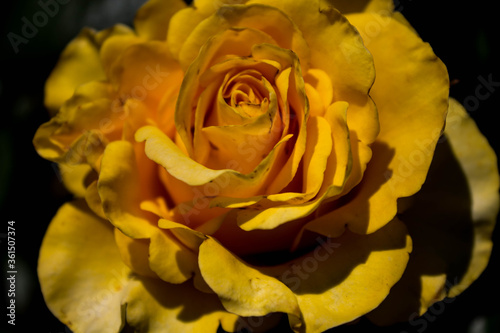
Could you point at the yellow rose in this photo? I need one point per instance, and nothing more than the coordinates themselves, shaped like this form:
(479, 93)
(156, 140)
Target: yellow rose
(237, 161)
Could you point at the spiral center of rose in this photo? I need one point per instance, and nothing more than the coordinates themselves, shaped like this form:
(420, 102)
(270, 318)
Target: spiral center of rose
(246, 92)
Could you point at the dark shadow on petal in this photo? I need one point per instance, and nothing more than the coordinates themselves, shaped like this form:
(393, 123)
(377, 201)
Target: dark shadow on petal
(354, 207)
(439, 220)
(193, 304)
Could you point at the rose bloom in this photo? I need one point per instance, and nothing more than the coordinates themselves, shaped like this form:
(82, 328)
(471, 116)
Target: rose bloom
(236, 164)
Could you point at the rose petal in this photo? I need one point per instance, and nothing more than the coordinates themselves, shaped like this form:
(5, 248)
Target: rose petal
(122, 189)
(134, 253)
(348, 6)
(80, 58)
(319, 91)
(187, 236)
(479, 163)
(337, 282)
(86, 285)
(93, 200)
(347, 277)
(243, 290)
(79, 63)
(336, 173)
(258, 17)
(152, 19)
(145, 72)
(337, 49)
(74, 176)
(113, 47)
(185, 20)
(317, 153)
(171, 260)
(451, 221)
(80, 130)
(163, 151)
(411, 92)
(153, 306)
(80, 271)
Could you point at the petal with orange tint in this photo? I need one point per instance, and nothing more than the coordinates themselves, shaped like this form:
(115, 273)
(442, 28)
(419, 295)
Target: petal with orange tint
(262, 18)
(319, 84)
(335, 176)
(186, 20)
(317, 152)
(163, 151)
(121, 191)
(145, 72)
(337, 49)
(113, 47)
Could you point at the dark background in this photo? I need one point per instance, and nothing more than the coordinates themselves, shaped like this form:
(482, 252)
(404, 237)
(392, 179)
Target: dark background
(464, 37)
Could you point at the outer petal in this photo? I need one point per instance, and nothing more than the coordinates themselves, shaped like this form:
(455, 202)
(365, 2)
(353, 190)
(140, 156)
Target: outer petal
(79, 63)
(86, 285)
(78, 133)
(152, 19)
(80, 271)
(451, 221)
(480, 166)
(156, 307)
(74, 178)
(346, 277)
(337, 282)
(243, 289)
(411, 93)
